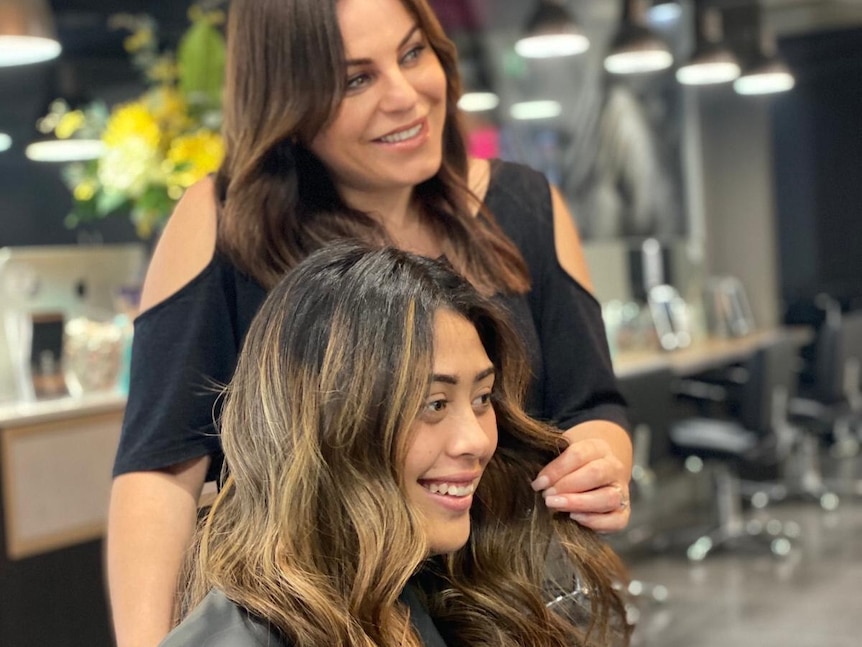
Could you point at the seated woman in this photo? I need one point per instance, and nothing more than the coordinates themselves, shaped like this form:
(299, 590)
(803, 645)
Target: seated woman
(379, 476)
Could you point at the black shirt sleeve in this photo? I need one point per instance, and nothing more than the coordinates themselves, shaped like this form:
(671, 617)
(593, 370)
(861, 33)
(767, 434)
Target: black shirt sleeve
(576, 380)
(184, 351)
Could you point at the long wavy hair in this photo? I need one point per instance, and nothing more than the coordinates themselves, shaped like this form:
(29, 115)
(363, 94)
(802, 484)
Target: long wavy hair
(312, 530)
(285, 81)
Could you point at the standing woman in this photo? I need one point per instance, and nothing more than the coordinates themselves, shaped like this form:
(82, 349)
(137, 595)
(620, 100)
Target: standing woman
(341, 122)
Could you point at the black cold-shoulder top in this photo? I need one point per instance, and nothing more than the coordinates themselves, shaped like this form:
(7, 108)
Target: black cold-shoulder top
(185, 348)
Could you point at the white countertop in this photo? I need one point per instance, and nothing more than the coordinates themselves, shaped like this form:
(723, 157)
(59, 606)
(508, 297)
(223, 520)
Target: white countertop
(16, 414)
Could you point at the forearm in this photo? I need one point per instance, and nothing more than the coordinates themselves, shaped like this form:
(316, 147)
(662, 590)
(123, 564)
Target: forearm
(150, 524)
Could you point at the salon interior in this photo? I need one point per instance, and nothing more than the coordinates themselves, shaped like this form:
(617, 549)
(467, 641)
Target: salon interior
(710, 152)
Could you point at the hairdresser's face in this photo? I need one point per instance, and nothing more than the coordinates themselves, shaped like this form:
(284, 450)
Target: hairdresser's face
(455, 435)
(388, 131)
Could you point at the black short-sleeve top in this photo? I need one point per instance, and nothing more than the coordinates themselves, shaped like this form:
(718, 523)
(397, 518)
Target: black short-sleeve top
(185, 348)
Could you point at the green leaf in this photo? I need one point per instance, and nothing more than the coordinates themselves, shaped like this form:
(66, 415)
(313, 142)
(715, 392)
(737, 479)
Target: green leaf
(109, 201)
(156, 199)
(201, 61)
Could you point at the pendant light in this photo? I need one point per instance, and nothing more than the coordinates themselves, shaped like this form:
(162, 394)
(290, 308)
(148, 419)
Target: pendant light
(770, 76)
(478, 95)
(53, 145)
(764, 71)
(551, 31)
(5, 142)
(635, 48)
(712, 62)
(26, 33)
(535, 110)
(64, 150)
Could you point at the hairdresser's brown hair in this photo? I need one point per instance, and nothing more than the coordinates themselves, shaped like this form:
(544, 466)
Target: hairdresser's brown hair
(313, 531)
(285, 81)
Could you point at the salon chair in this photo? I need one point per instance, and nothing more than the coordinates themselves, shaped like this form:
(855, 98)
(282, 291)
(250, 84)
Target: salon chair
(829, 401)
(650, 410)
(830, 398)
(747, 434)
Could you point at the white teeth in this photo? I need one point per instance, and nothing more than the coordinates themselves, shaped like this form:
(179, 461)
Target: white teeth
(451, 489)
(402, 136)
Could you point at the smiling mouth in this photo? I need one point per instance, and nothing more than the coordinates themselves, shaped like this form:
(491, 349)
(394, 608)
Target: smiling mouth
(402, 135)
(451, 489)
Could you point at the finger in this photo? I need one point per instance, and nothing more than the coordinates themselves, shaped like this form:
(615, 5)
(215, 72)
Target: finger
(571, 459)
(612, 522)
(605, 500)
(593, 475)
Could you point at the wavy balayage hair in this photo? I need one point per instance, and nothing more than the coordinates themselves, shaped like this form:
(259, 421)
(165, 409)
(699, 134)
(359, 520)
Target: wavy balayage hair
(313, 531)
(286, 77)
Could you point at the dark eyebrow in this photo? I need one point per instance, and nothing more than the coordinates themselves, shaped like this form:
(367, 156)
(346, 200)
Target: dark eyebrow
(451, 379)
(367, 61)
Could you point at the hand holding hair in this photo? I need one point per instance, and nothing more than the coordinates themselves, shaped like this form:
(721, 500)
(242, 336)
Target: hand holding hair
(589, 481)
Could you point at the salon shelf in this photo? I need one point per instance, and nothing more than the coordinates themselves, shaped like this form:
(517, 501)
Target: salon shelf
(43, 411)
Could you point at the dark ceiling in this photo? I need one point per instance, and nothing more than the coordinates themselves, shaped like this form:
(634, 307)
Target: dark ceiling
(82, 25)
(82, 22)
(94, 62)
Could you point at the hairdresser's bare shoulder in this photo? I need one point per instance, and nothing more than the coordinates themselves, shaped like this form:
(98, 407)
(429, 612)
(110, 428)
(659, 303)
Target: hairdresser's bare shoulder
(218, 622)
(186, 245)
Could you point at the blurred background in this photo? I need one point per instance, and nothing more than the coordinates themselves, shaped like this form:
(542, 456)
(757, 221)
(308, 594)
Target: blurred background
(637, 155)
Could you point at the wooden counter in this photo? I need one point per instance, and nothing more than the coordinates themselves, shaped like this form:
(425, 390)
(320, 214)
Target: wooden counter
(706, 354)
(56, 458)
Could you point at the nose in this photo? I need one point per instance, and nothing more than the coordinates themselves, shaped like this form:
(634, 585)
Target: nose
(474, 436)
(399, 94)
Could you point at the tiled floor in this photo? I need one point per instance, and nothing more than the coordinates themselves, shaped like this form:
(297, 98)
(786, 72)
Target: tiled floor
(810, 598)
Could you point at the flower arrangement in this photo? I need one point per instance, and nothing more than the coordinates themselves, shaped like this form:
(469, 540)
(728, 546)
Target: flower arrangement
(155, 146)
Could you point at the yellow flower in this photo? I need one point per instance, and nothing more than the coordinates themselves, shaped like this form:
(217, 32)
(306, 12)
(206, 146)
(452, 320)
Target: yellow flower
(69, 124)
(85, 190)
(169, 109)
(129, 167)
(164, 70)
(138, 40)
(132, 121)
(156, 145)
(194, 156)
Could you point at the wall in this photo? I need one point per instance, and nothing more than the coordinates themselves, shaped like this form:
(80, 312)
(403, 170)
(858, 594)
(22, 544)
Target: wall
(737, 194)
(818, 143)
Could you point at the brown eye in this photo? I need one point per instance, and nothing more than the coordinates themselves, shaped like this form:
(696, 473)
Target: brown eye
(436, 405)
(483, 400)
(358, 81)
(413, 54)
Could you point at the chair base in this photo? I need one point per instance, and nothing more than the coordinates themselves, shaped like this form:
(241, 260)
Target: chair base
(772, 536)
(803, 480)
(733, 531)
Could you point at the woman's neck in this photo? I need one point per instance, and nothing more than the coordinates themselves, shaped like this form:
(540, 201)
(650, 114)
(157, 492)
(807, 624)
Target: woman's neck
(401, 216)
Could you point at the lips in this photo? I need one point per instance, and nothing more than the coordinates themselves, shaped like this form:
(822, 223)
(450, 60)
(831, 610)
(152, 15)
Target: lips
(403, 134)
(451, 489)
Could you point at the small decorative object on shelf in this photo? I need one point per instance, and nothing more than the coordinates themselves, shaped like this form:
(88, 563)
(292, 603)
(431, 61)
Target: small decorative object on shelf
(93, 355)
(155, 145)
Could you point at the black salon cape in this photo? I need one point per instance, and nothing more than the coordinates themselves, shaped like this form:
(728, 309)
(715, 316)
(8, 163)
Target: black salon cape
(218, 622)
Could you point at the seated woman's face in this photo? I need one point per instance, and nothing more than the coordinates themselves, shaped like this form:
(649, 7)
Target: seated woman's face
(455, 435)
